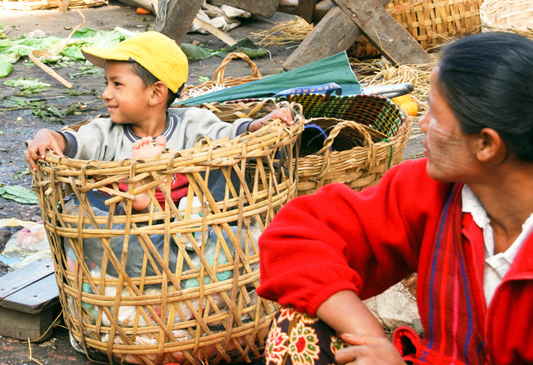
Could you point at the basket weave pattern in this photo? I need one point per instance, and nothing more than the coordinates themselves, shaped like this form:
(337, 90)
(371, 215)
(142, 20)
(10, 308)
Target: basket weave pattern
(203, 307)
(515, 16)
(430, 22)
(366, 136)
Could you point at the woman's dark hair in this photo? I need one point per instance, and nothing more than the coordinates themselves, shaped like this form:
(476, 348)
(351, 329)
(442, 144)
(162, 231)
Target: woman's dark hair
(148, 79)
(487, 79)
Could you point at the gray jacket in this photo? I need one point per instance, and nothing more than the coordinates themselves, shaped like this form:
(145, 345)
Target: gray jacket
(103, 140)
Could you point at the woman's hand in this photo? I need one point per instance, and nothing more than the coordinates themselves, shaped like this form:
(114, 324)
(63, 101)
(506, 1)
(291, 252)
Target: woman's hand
(366, 349)
(284, 114)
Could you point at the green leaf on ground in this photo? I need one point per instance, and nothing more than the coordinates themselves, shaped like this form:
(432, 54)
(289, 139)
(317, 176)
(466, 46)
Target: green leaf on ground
(19, 194)
(5, 68)
(245, 46)
(195, 53)
(28, 85)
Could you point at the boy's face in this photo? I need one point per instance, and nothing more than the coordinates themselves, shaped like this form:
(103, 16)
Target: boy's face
(125, 96)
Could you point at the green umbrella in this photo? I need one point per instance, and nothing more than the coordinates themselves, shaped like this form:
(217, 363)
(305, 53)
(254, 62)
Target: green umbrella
(335, 69)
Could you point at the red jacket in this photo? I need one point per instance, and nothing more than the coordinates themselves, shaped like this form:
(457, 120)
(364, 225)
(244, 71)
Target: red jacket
(370, 240)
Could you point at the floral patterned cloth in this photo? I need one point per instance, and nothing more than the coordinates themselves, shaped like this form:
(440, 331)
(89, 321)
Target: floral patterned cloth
(297, 338)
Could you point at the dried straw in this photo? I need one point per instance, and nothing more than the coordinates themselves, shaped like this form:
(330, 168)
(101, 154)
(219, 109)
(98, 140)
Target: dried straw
(285, 32)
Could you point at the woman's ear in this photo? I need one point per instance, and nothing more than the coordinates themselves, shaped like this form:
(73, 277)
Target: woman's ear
(491, 147)
(159, 94)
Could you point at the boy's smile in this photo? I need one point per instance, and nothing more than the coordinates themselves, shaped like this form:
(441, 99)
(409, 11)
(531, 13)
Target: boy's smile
(125, 96)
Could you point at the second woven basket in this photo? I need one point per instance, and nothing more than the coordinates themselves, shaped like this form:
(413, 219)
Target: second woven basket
(365, 136)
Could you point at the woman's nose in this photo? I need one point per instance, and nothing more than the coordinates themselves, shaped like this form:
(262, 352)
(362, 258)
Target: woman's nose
(423, 123)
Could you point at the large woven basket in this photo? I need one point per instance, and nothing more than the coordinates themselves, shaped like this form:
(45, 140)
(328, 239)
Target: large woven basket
(194, 300)
(515, 16)
(219, 81)
(364, 135)
(430, 22)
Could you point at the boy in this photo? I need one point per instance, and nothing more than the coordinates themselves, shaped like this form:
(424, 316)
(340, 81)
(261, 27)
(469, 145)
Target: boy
(144, 75)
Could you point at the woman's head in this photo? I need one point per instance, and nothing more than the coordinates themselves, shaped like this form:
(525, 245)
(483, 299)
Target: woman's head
(487, 80)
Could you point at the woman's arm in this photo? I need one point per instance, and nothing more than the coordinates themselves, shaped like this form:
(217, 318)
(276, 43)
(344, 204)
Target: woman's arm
(346, 313)
(349, 316)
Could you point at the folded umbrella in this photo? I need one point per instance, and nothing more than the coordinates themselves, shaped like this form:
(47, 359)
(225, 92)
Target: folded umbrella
(334, 68)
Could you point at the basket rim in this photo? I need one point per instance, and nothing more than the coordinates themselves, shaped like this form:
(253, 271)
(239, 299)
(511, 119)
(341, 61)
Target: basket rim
(489, 9)
(205, 150)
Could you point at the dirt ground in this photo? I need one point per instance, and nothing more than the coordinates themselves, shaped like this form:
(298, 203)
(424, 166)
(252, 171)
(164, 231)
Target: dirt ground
(17, 126)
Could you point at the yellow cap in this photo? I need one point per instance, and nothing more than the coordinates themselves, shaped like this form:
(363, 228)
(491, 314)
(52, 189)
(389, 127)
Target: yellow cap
(154, 51)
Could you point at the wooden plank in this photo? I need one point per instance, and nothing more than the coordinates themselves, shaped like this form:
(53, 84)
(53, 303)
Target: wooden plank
(179, 17)
(35, 297)
(306, 9)
(384, 32)
(266, 8)
(22, 326)
(335, 33)
(303, 8)
(21, 278)
(223, 36)
(29, 301)
(321, 9)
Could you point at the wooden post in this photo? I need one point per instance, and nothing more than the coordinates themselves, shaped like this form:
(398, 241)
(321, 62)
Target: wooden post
(306, 9)
(384, 32)
(335, 33)
(178, 18)
(321, 9)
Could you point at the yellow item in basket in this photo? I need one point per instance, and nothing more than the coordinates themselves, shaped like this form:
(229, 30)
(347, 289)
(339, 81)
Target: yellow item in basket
(399, 100)
(410, 107)
(406, 103)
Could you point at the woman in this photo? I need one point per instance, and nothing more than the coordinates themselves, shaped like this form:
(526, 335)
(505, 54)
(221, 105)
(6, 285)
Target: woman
(461, 218)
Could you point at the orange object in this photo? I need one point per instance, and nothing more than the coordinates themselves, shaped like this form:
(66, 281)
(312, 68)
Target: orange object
(402, 99)
(142, 11)
(410, 107)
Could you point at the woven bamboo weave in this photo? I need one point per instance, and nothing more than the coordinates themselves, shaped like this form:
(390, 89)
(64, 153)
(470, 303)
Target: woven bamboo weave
(366, 136)
(219, 81)
(430, 22)
(203, 307)
(515, 16)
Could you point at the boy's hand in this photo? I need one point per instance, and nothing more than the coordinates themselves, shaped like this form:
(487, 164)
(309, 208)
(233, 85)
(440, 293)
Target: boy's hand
(284, 114)
(44, 140)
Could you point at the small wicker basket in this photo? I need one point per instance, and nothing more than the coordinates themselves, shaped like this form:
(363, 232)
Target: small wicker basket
(515, 16)
(219, 81)
(194, 299)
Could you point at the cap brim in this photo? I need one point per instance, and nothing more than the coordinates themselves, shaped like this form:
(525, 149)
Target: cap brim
(98, 56)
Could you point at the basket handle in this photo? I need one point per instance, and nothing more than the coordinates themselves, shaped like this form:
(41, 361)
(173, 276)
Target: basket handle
(326, 149)
(218, 76)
